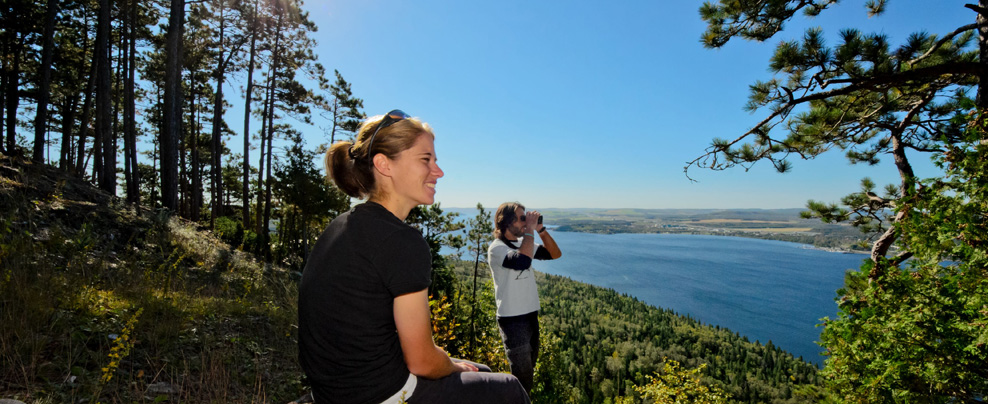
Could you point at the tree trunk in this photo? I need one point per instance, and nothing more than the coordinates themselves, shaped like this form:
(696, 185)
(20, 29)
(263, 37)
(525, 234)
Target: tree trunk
(336, 118)
(473, 302)
(183, 173)
(982, 98)
(87, 110)
(250, 90)
(260, 165)
(41, 117)
(196, 175)
(156, 158)
(118, 79)
(130, 113)
(262, 223)
(271, 108)
(216, 177)
(305, 239)
(172, 106)
(68, 117)
(3, 110)
(267, 183)
(107, 165)
(13, 82)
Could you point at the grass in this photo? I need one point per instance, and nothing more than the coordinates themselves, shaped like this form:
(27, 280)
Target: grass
(104, 304)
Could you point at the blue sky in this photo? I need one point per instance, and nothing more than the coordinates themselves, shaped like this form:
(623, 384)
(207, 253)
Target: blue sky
(588, 104)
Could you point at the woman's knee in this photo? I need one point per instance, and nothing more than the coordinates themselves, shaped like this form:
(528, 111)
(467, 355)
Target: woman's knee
(509, 389)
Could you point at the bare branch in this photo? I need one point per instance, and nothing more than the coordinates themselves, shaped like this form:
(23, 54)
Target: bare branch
(883, 244)
(900, 258)
(980, 10)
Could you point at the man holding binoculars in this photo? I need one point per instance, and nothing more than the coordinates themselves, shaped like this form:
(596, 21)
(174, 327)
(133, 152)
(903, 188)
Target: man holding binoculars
(510, 257)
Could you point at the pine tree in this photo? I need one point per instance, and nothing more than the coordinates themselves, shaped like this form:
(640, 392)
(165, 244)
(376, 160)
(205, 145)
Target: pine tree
(480, 235)
(345, 110)
(172, 111)
(870, 99)
(436, 227)
(41, 117)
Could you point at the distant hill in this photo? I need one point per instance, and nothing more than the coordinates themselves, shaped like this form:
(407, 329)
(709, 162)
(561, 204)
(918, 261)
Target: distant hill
(773, 224)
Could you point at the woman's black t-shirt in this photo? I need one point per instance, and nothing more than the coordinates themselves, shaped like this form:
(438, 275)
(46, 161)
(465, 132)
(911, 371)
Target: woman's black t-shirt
(348, 342)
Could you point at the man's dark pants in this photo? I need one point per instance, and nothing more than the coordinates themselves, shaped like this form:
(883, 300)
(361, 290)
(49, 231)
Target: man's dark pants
(520, 335)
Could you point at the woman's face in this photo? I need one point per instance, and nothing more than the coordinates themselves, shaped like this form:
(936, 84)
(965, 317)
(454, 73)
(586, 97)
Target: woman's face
(415, 172)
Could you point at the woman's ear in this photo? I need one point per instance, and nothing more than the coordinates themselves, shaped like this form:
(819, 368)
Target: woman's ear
(382, 164)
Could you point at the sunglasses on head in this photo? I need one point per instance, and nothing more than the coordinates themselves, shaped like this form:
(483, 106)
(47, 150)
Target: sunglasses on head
(389, 119)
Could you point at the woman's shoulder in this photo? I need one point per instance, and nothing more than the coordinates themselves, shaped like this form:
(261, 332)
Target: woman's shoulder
(379, 222)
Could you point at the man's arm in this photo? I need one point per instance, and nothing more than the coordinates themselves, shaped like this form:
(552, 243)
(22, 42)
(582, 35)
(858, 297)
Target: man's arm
(423, 357)
(527, 247)
(550, 244)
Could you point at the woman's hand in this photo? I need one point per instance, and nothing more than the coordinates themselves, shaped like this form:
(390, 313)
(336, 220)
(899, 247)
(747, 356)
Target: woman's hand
(465, 367)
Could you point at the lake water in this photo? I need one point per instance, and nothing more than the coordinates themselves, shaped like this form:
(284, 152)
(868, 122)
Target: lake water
(762, 289)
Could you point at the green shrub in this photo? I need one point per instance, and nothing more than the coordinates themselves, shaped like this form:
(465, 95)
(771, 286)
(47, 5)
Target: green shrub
(229, 230)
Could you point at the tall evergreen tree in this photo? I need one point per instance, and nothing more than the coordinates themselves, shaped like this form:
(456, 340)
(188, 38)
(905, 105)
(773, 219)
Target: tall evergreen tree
(172, 111)
(345, 110)
(19, 27)
(307, 201)
(253, 27)
(869, 99)
(229, 39)
(87, 107)
(44, 85)
(481, 233)
(105, 164)
(131, 172)
(290, 54)
(436, 227)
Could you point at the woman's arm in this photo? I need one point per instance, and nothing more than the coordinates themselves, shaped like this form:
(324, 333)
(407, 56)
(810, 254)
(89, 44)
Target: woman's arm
(423, 357)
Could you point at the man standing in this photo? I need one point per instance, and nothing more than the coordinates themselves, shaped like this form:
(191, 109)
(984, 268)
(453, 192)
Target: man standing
(510, 257)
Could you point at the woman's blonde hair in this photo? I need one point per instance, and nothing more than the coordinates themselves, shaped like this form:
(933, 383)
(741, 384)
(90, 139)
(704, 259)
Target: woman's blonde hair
(350, 165)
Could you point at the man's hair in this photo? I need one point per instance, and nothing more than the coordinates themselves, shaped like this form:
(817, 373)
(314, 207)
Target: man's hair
(504, 216)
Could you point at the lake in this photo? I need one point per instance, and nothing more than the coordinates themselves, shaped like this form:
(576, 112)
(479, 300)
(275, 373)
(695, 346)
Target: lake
(763, 289)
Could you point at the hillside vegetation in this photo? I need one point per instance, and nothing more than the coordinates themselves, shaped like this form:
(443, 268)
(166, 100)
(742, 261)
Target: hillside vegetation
(104, 303)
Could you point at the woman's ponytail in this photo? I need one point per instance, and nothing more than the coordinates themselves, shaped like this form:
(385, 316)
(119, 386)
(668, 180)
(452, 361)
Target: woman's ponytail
(342, 169)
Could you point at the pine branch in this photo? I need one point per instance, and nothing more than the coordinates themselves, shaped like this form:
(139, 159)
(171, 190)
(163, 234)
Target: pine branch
(942, 41)
(854, 85)
(965, 68)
